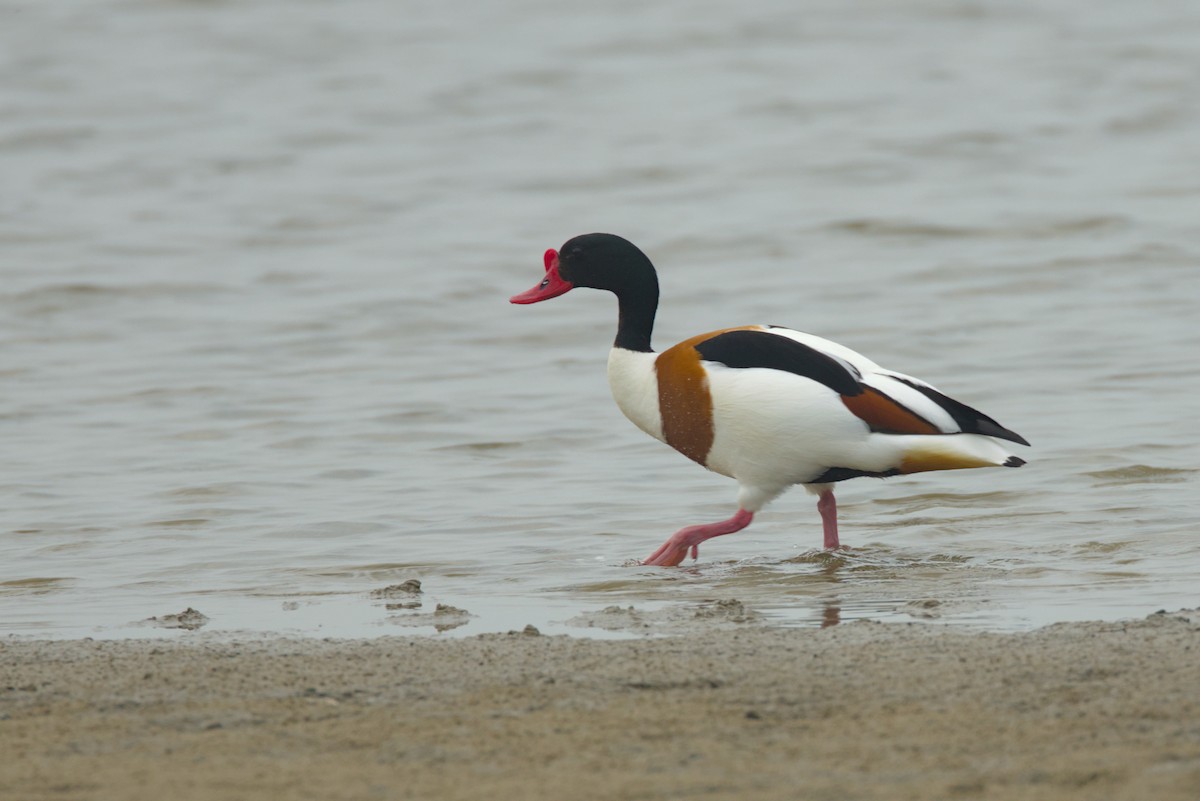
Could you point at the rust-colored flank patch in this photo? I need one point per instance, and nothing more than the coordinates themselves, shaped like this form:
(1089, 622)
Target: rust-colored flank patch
(885, 415)
(684, 400)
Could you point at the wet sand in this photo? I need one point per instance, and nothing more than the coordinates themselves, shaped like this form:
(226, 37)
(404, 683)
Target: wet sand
(864, 710)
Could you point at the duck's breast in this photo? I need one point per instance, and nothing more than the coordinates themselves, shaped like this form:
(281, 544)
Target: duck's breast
(634, 386)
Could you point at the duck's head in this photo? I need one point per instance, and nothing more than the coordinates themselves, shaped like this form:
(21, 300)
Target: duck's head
(599, 261)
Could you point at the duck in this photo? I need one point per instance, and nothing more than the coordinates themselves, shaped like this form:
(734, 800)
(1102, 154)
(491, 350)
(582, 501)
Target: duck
(767, 406)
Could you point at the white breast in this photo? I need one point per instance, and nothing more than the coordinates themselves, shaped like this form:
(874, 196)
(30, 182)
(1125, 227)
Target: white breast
(634, 386)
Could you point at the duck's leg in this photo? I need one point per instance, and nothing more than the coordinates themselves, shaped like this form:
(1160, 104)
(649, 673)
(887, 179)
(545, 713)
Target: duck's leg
(827, 506)
(674, 550)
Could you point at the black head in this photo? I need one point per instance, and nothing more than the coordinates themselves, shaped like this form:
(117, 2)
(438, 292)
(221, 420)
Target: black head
(598, 261)
(605, 261)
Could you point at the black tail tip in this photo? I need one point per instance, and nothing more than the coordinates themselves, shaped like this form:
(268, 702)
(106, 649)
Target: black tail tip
(1014, 461)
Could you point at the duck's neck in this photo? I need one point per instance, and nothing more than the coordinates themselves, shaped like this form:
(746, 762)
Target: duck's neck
(635, 321)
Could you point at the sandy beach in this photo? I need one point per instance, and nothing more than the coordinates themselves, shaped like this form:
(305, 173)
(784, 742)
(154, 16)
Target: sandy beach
(864, 710)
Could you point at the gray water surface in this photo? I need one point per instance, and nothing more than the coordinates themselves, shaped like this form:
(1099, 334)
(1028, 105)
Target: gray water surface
(258, 358)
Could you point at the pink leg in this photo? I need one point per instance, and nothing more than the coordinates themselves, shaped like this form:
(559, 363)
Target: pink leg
(827, 506)
(676, 548)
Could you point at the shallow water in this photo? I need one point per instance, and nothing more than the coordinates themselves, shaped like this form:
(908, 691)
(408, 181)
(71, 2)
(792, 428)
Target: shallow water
(258, 358)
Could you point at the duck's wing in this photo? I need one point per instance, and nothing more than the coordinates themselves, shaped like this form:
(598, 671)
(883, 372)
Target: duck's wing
(887, 401)
(923, 396)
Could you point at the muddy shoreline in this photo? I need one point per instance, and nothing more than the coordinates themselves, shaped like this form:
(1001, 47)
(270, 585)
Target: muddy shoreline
(919, 711)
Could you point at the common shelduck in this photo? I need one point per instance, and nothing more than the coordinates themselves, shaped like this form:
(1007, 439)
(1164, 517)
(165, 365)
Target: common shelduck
(765, 405)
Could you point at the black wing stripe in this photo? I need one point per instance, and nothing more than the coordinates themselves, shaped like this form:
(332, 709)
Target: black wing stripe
(748, 348)
(971, 421)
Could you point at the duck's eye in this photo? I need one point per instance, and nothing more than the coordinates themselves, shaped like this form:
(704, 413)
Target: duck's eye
(545, 283)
